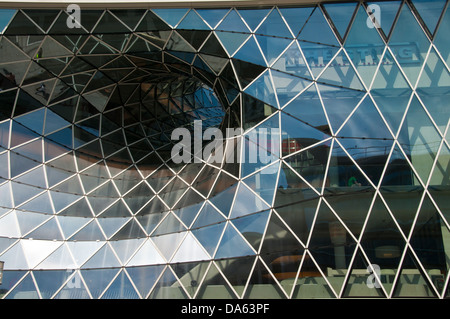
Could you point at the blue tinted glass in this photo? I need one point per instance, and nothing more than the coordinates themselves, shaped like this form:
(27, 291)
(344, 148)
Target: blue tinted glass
(430, 11)
(5, 16)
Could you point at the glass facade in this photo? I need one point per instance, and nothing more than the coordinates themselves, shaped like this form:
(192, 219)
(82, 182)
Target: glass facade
(351, 197)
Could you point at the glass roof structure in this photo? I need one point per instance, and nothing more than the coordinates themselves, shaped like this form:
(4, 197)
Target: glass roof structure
(349, 196)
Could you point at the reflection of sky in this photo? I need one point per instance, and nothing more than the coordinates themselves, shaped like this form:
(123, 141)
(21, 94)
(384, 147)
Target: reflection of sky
(5, 17)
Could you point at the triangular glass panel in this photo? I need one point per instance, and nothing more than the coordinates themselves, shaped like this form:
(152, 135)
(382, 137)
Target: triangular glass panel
(25, 289)
(232, 23)
(365, 122)
(61, 256)
(310, 283)
(144, 277)
(431, 89)
(261, 146)
(430, 11)
(25, 103)
(120, 288)
(188, 213)
(291, 61)
(341, 15)
(35, 178)
(22, 25)
(278, 238)
(341, 72)
(419, 139)
(110, 24)
(209, 236)
(171, 16)
(364, 60)
(51, 48)
(48, 231)
(104, 257)
(110, 226)
(287, 86)
(208, 216)
(317, 55)
(296, 17)
(5, 199)
(212, 46)
(407, 30)
(439, 180)
(338, 103)
(289, 183)
(232, 245)
(194, 37)
(370, 154)
(128, 16)
(212, 16)
(263, 90)
(429, 234)
(90, 232)
(98, 279)
(262, 276)
(50, 281)
(11, 53)
(298, 134)
(82, 250)
(125, 249)
(411, 281)
(130, 231)
(167, 244)
(252, 227)
(246, 202)
(274, 25)
(28, 220)
(151, 22)
(253, 17)
(192, 21)
(391, 100)
(382, 240)
(32, 150)
(70, 224)
(37, 250)
(214, 286)
(146, 255)
(170, 224)
(168, 287)
(250, 52)
(363, 280)
(190, 275)
(299, 216)
(401, 190)
(264, 182)
(6, 16)
(189, 250)
(307, 108)
(22, 192)
(331, 245)
(237, 271)
(15, 254)
(231, 41)
(317, 24)
(384, 13)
